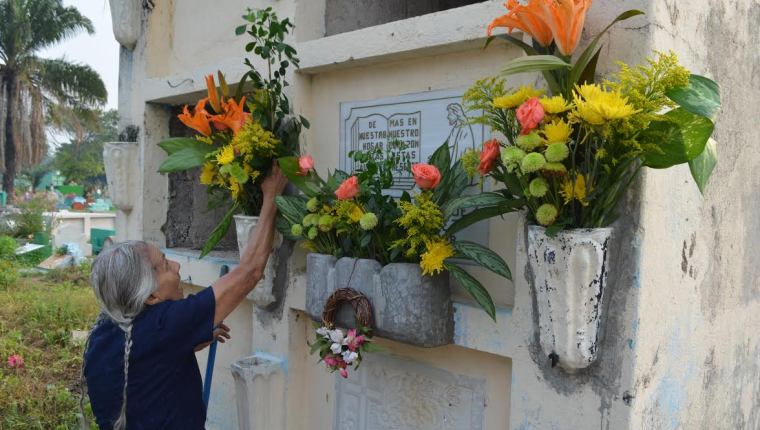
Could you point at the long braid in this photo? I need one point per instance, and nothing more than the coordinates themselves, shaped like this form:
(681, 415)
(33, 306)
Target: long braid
(121, 423)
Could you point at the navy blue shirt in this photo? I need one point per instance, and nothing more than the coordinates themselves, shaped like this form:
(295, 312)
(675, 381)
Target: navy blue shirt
(164, 389)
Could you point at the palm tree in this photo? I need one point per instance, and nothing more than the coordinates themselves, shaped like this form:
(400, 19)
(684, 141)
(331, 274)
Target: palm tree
(30, 86)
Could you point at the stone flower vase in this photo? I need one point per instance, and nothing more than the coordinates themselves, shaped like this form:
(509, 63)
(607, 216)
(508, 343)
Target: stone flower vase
(407, 306)
(570, 275)
(262, 295)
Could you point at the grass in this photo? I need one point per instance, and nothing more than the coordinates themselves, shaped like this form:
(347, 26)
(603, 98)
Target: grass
(37, 316)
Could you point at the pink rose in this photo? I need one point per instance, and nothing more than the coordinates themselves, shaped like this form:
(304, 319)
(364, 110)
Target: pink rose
(344, 373)
(488, 156)
(426, 176)
(348, 189)
(353, 341)
(15, 361)
(530, 114)
(305, 164)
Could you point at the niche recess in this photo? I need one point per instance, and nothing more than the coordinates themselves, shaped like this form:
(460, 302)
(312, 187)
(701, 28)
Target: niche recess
(348, 15)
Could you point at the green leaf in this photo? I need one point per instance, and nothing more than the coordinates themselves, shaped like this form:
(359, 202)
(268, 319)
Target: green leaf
(485, 213)
(305, 183)
(234, 170)
(293, 208)
(186, 158)
(700, 97)
(474, 288)
(702, 166)
(441, 158)
(534, 63)
(240, 29)
(678, 139)
(587, 76)
(483, 256)
(513, 40)
(176, 144)
(585, 58)
(465, 202)
(219, 231)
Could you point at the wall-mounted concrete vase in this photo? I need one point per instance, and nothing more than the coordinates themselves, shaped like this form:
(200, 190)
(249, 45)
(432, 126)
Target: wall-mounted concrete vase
(125, 21)
(262, 295)
(407, 306)
(570, 274)
(120, 160)
(260, 392)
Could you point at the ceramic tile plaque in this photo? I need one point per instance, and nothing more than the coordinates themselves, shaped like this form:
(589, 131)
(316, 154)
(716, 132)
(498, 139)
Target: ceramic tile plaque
(411, 127)
(388, 393)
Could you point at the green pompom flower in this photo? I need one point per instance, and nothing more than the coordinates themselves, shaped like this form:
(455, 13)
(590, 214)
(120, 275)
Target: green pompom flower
(511, 156)
(470, 160)
(312, 205)
(326, 222)
(529, 141)
(312, 234)
(296, 230)
(556, 152)
(368, 221)
(546, 214)
(538, 187)
(532, 162)
(310, 220)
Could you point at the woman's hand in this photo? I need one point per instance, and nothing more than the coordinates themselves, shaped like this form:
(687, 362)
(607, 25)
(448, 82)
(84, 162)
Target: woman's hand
(274, 183)
(221, 334)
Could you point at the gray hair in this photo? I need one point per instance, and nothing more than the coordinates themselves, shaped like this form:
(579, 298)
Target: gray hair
(123, 279)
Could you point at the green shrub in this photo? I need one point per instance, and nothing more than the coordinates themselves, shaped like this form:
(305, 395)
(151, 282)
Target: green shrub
(8, 247)
(8, 273)
(32, 218)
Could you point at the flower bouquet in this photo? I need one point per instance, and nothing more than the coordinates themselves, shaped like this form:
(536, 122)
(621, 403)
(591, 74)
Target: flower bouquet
(572, 151)
(240, 135)
(355, 215)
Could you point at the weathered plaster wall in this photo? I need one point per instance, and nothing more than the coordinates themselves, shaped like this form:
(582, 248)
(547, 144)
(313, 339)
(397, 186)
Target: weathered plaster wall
(699, 347)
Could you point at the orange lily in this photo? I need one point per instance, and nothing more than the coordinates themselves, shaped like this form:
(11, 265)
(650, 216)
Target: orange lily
(233, 117)
(199, 120)
(213, 98)
(566, 19)
(526, 18)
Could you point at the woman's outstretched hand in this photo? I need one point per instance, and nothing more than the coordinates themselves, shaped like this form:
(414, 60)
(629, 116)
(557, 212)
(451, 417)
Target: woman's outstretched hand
(274, 183)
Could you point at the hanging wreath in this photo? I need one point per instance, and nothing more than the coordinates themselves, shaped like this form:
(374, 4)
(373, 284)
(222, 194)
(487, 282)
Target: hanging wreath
(339, 349)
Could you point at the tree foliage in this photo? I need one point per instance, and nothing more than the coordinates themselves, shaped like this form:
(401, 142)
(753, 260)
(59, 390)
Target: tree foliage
(81, 160)
(31, 86)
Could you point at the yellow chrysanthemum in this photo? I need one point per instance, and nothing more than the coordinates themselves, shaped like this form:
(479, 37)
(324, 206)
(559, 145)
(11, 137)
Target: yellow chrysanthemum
(597, 106)
(437, 250)
(555, 105)
(234, 187)
(557, 131)
(574, 191)
(208, 173)
(226, 155)
(511, 101)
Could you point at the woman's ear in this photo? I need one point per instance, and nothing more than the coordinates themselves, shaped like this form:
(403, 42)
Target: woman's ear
(153, 299)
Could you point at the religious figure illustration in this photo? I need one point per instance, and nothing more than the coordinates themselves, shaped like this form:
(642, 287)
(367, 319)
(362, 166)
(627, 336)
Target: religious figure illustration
(460, 137)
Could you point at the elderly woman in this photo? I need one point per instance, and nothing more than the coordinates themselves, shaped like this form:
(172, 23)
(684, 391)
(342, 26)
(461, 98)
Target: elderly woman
(139, 363)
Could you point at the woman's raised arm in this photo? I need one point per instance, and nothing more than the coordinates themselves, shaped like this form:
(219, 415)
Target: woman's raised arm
(231, 289)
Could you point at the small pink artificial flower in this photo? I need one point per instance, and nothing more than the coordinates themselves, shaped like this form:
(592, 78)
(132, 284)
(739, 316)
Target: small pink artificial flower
(331, 361)
(15, 361)
(344, 373)
(305, 165)
(530, 114)
(353, 341)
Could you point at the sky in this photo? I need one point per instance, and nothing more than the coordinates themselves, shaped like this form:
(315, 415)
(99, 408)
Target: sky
(99, 50)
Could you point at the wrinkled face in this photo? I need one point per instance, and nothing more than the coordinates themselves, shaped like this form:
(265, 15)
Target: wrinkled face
(167, 277)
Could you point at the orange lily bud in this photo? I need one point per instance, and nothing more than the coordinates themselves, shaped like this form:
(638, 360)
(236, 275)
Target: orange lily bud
(212, 95)
(566, 19)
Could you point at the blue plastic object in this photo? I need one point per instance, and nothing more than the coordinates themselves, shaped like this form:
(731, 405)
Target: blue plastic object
(211, 355)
